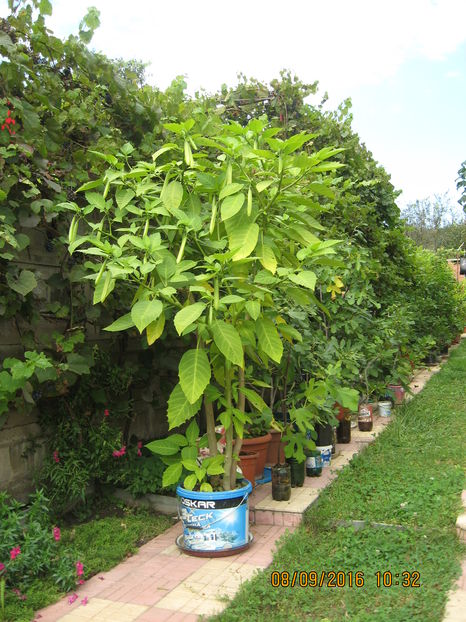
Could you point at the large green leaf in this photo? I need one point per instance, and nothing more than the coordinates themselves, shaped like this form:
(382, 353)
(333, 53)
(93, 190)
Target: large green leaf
(242, 238)
(165, 446)
(96, 199)
(231, 205)
(179, 408)
(190, 481)
(254, 398)
(172, 474)
(228, 341)
(122, 323)
(269, 339)
(172, 195)
(155, 329)
(144, 312)
(167, 268)
(306, 278)
(187, 316)
(24, 284)
(253, 307)
(194, 371)
(123, 196)
(104, 287)
(262, 185)
(192, 432)
(296, 142)
(267, 257)
(77, 363)
(229, 189)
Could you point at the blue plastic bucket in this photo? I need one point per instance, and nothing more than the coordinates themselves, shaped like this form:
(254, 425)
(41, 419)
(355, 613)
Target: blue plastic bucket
(214, 521)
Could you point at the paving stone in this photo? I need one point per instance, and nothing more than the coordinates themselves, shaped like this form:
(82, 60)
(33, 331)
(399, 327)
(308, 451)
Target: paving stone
(456, 607)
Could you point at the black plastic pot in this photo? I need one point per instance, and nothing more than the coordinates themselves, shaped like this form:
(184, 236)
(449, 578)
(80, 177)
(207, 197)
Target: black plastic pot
(431, 358)
(324, 434)
(281, 482)
(344, 431)
(297, 472)
(463, 265)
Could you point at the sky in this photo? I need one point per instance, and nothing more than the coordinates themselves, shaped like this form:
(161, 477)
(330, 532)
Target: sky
(402, 62)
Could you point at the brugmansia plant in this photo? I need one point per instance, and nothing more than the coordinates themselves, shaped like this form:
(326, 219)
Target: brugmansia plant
(213, 235)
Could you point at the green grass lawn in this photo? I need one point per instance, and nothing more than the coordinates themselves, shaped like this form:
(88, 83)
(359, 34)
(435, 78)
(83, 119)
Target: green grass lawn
(412, 477)
(100, 544)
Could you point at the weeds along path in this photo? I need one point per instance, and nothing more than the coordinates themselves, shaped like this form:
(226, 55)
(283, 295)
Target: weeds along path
(407, 487)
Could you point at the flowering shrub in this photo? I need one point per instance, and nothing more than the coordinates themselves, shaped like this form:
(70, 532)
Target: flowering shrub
(31, 546)
(9, 122)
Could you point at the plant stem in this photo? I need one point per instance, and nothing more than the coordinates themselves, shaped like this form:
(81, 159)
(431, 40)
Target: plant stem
(210, 424)
(239, 441)
(229, 431)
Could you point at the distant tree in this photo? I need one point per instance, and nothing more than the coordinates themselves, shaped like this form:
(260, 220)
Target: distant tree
(434, 223)
(461, 185)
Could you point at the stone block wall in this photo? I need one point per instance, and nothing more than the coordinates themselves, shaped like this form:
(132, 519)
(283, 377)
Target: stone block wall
(21, 441)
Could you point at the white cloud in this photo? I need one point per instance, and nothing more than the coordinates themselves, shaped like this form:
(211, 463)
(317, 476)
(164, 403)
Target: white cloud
(343, 44)
(454, 74)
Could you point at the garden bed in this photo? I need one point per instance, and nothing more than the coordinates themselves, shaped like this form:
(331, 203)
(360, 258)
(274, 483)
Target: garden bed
(113, 533)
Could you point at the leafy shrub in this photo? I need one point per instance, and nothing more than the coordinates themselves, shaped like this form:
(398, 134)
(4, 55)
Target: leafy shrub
(30, 546)
(140, 475)
(81, 455)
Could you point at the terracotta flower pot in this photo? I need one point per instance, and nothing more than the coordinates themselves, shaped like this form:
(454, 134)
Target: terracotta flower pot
(247, 463)
(397, 391)
(259, 444)
(274, 447)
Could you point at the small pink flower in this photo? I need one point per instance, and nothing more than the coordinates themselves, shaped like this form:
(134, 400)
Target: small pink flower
(84, 601)
(81, 582)
(139, 444)
(56, 457)
(139, 453)
(15, 552)
(106, 412)
(79, 569)
(72, 598)
(2, 567)
(120, 452)
(56, 534)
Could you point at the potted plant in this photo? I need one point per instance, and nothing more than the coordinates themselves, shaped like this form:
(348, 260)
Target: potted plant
(256, 438)
(196, 239)
(299, 432)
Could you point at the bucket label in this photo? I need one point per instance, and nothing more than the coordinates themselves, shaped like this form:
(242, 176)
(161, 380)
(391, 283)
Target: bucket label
(326, 455)
(314, 462)
(214, 525)
(365, 414)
